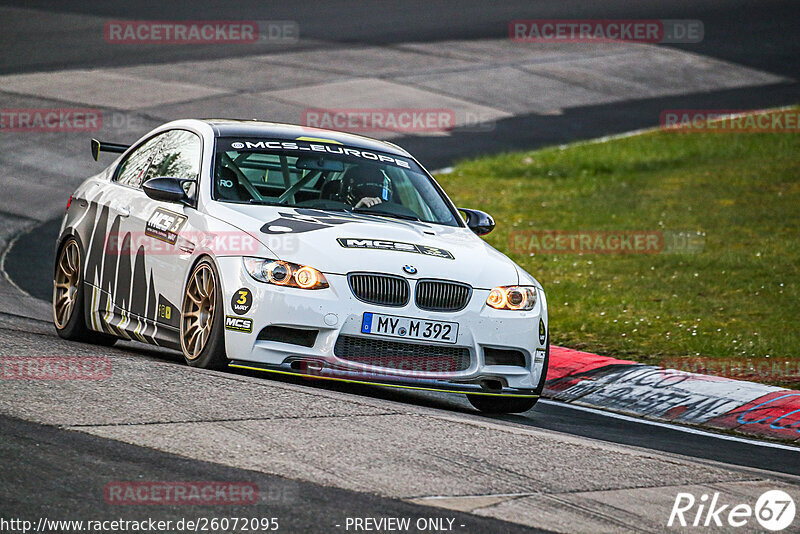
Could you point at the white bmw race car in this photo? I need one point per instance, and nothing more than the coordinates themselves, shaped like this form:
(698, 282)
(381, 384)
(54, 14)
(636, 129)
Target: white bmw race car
(299, 251)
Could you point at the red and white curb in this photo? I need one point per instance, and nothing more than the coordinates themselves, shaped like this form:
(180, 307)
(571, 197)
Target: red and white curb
(671, 395)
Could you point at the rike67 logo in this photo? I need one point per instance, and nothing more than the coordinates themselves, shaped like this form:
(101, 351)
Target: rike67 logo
(774, 510)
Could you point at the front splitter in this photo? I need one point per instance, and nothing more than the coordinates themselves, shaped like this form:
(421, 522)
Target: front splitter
(420, 384)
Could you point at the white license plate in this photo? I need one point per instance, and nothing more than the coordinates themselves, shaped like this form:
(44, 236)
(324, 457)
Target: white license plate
(408, 328)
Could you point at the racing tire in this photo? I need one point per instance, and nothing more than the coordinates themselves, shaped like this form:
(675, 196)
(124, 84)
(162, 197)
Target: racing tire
(69, 314)
(202, 317)
(492, 404)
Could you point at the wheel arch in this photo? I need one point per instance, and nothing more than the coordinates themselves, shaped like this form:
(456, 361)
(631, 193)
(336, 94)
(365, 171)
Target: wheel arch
(66, 234)
(200, 257)
(216, 346)
(193, 265)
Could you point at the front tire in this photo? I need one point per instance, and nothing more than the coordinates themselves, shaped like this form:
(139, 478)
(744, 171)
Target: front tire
(488, 404)
(492, 404)
(68, 298)
(202, 315)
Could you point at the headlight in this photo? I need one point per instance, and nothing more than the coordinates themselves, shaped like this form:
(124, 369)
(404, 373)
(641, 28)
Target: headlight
(512, 298)
(283, 273)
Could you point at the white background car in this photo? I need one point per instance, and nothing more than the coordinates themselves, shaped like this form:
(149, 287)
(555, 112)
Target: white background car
(303, 251)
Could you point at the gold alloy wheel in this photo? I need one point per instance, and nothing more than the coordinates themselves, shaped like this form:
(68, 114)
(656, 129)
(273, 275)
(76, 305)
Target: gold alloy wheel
(198, 311)
(66, 283)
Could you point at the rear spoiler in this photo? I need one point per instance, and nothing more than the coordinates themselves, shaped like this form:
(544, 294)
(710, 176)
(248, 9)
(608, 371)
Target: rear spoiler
(102, 146)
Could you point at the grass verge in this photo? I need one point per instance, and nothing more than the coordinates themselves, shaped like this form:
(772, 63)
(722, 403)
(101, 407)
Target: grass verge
(732, 308)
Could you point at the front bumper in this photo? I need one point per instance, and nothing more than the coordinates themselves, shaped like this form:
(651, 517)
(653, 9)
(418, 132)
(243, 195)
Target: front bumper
(335, 312)
(312, 372)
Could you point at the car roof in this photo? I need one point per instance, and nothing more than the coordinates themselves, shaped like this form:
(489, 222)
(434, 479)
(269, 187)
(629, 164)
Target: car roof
(277, 130)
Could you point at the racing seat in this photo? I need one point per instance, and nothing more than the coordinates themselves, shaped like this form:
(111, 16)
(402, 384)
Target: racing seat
(228, 187)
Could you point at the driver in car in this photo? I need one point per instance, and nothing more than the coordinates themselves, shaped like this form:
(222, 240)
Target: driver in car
(364, 186)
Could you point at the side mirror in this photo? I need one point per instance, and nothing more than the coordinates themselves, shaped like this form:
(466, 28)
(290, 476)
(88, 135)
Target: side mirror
(478, 221)
(166, 189)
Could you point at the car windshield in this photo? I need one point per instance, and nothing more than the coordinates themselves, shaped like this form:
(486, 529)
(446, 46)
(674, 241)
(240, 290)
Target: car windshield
(327, 176)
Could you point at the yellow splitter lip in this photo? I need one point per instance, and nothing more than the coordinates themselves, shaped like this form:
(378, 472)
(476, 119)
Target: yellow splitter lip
(440, 386)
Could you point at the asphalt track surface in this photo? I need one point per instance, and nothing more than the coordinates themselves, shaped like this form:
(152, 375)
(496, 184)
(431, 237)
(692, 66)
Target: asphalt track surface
(27, 261)
(68, 465)
(757, 34)
(761, 35)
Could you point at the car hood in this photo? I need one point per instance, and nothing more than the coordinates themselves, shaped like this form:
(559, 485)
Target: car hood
(341, 243)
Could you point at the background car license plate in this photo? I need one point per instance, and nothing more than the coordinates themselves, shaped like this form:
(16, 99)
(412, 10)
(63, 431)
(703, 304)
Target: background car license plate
(406, 327)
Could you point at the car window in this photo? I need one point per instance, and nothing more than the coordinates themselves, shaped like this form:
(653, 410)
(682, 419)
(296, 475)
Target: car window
(133, 168)
(326, 176)
(174, 153)
(177, 156)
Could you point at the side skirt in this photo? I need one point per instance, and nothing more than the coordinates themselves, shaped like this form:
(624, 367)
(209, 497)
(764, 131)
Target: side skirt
(102, 315)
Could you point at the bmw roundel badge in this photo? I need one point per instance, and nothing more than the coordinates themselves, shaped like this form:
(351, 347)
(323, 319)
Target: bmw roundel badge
(409, 269)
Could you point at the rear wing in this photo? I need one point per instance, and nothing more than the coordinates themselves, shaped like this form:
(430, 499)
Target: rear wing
(102, 146)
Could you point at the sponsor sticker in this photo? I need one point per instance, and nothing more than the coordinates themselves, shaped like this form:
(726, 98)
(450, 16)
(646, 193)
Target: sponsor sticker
(165, 311)
(238, 324)
(315, 148)
(241, 301)
(399, 246)
(165, 225)
(542, 332)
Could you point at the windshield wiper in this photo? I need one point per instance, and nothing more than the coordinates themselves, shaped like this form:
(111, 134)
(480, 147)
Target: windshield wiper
(264, 202)
(383, 213)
